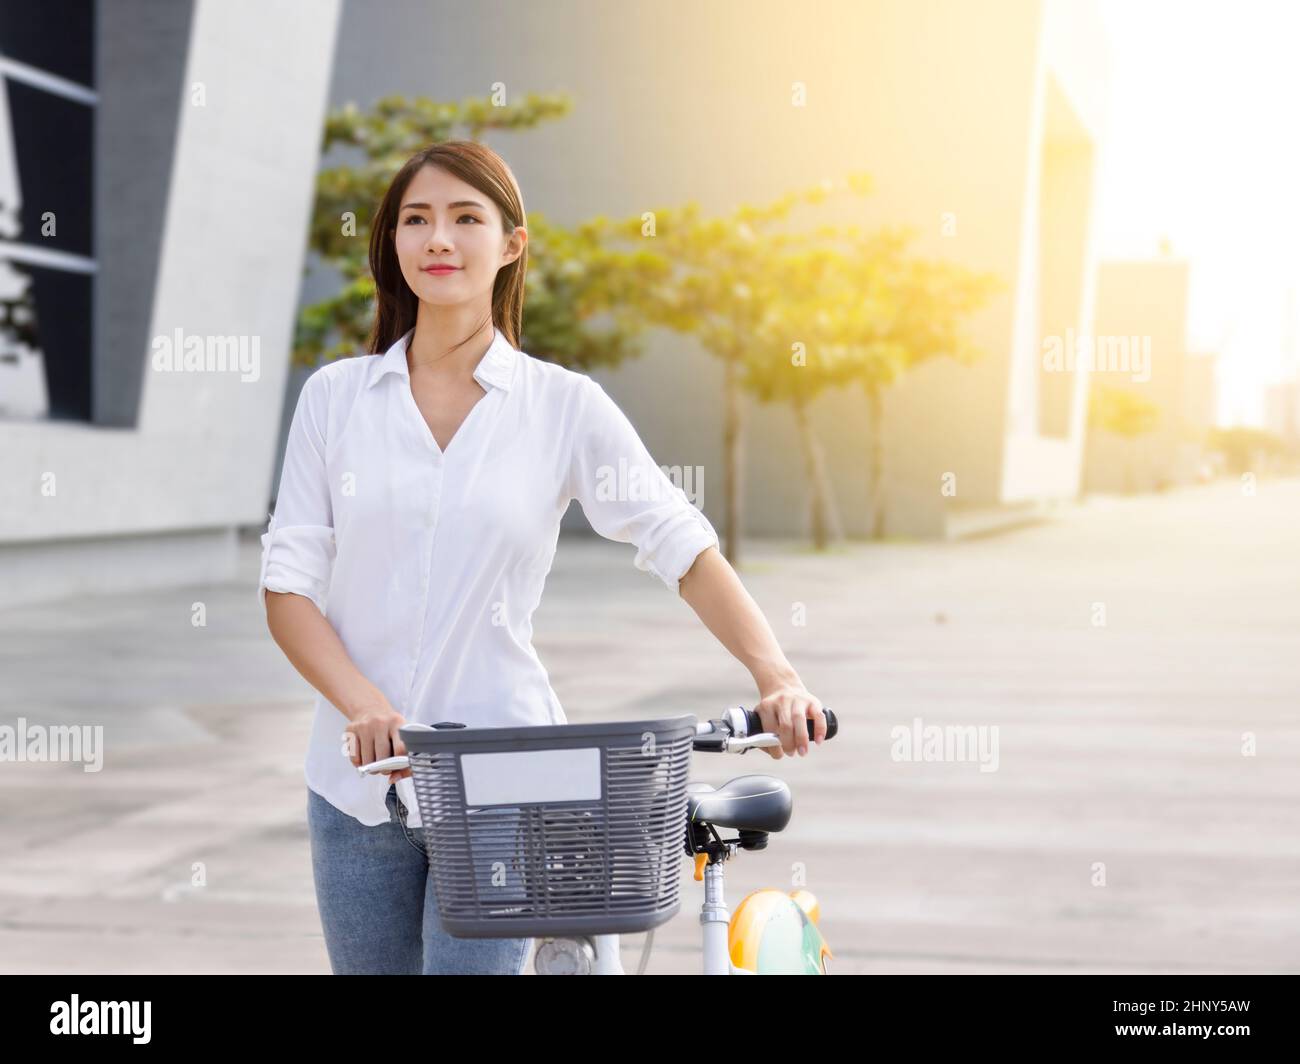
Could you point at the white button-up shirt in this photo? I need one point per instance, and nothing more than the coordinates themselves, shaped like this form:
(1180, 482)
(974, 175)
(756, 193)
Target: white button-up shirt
(429, 565)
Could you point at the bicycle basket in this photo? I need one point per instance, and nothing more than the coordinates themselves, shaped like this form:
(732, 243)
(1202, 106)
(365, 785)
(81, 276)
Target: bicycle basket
(554, 830)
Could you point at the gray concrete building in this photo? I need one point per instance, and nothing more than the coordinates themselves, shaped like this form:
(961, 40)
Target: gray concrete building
(154, 446)
(157, 166)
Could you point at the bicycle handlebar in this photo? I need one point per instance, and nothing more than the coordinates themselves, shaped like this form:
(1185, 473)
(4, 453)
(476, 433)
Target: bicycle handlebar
(737, 730)
(740, 729)
(755, 724)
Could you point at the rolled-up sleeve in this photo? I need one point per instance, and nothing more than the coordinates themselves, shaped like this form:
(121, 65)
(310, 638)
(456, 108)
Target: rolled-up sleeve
(298, 546)
(627, 497)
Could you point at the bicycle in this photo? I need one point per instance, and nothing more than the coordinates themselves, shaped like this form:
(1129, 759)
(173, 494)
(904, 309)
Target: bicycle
(574, 834)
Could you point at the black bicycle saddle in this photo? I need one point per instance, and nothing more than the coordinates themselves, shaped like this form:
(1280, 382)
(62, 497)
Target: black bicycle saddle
(747, 803)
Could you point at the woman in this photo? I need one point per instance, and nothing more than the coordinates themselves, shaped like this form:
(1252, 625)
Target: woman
(423, 486)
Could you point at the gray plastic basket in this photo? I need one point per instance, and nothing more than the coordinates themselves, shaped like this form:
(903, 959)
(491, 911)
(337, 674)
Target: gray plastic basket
(554, 830)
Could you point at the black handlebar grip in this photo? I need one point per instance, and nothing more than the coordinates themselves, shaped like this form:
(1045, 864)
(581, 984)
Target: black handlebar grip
(832, 725)
(755, 725)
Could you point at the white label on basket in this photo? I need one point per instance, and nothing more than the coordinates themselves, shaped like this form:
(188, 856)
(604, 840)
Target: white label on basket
(519, 777)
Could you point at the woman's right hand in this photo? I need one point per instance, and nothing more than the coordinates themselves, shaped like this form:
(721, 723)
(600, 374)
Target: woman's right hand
(372, 735)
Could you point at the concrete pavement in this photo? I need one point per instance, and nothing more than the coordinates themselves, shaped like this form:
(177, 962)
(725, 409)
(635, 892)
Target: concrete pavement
(1126, 654)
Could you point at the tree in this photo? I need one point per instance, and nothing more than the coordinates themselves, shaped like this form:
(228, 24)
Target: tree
(854, 305)
(715, 281)
(871, 312)
(921, 313)
(1125, 413)
(797, 354)
(1246, 449)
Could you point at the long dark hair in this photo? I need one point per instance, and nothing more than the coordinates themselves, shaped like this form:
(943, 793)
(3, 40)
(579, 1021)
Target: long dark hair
(396, 305)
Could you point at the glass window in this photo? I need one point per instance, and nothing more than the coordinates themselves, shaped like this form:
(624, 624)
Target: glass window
(47, 254)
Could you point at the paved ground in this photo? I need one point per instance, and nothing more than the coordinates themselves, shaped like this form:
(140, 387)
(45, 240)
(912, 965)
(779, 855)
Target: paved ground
(1120, 744)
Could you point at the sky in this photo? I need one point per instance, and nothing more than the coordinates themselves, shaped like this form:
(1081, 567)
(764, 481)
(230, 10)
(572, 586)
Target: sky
(1203, 149)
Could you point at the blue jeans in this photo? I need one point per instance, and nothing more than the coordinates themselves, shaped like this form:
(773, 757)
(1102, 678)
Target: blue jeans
(378, 906)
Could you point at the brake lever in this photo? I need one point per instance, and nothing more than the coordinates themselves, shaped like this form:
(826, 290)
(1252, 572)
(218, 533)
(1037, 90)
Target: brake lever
(751, 742)
(388, 764)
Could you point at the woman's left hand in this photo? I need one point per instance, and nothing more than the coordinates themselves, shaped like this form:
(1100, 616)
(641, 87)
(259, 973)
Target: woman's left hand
(784, 710)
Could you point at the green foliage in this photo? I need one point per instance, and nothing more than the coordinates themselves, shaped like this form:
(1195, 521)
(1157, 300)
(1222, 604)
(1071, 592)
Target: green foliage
(1243, 447)
(1121, 411)
(749, 288)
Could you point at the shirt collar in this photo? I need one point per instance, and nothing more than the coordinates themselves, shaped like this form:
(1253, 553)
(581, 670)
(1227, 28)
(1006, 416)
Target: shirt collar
(496, 368)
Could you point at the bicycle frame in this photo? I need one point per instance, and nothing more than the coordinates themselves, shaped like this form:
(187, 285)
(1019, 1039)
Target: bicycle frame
(715, 922)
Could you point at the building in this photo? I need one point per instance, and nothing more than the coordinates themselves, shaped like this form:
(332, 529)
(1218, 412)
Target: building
(1141, 348)
(1282, 411)
(173, 147)
(183, 208)
(983, 133)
